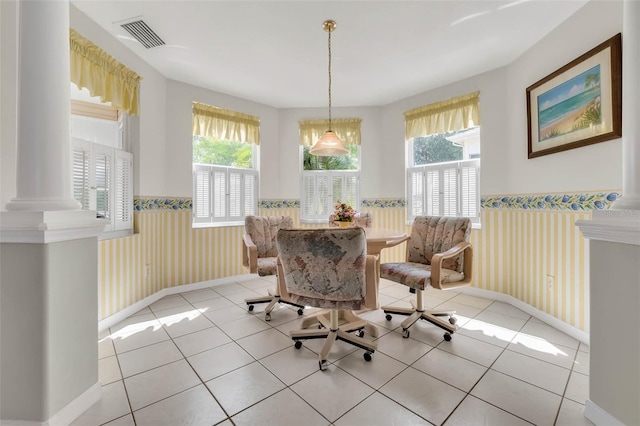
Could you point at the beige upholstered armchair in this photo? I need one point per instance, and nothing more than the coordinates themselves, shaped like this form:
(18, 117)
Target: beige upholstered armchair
(329, 268)
(362, 220)
(438, 255)
(259, 253)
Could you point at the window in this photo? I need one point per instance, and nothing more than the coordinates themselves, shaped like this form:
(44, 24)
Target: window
(327, 180)
(225, 176)
(102, 181)
(443, 169)
(102, 172)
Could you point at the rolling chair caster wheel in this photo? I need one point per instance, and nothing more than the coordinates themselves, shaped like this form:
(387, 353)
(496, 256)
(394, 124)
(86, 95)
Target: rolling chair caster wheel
(453, 320)
(250, 308)
(299, 311)
(267, 317)
(367, 356)
(388, 317)
(323, 364)
(405, 333)
(298, 344)
(447, 337)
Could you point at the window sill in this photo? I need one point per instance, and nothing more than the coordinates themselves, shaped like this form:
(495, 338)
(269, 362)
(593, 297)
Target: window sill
(216, 224)
(115, 234)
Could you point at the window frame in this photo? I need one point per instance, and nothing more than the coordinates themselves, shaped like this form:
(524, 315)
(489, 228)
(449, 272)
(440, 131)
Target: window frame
(202, 219)
(118, 187)
(420, 201)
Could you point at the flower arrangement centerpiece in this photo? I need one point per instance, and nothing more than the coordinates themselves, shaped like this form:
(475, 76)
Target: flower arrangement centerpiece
(343, 213)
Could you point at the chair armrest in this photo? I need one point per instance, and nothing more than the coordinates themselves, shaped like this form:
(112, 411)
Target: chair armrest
(249, 254)
(467, 267)
(372, 278)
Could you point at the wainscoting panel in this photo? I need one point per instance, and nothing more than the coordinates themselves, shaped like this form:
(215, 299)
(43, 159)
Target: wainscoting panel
(538, 257)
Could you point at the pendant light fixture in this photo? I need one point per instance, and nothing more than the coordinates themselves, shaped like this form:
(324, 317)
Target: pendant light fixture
(329, 144)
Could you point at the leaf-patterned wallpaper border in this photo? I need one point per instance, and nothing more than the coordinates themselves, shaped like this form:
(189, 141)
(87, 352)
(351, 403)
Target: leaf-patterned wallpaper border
(571, 202)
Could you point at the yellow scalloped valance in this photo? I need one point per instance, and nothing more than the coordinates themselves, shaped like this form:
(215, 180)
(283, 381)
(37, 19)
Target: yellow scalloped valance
(102, 75)
(225, 124)
(347, 129)
(451, 115)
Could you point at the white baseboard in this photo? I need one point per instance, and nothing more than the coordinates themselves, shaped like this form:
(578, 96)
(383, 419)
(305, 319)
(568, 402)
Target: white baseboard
(554, 322)
(598, 416)
(487, 294)
(69, 413)
(141, 304)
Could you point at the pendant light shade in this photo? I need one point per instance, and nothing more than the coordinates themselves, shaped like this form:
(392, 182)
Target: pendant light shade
(329, 144)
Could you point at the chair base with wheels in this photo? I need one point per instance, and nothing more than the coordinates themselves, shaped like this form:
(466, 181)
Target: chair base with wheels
(418, 312)
(272, 300)
(322, 319)
(349, 332)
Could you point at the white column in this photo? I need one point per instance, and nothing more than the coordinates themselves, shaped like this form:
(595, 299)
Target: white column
(630, 199)
(43, 177)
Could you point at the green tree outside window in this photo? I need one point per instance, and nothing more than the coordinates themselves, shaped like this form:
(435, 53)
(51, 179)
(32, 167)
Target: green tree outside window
(208, 150)
(343, 162)
(435, 149)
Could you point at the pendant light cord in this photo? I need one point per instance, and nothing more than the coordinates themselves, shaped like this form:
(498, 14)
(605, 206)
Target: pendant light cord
(329, 80)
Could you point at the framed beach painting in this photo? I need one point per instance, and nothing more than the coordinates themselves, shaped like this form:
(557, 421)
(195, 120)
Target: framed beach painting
(579, 104)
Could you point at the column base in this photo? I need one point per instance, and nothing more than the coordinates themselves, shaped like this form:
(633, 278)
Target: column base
(626, 203)
(49, 226)
(619, 226)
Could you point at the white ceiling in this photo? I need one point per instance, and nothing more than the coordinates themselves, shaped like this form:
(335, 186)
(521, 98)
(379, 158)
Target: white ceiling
(275, 52)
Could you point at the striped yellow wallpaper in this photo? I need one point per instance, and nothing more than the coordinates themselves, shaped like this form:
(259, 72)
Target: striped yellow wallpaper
(515, 252)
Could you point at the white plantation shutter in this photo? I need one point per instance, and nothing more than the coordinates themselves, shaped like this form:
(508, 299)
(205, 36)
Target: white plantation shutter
(123, 190)
(415, 192)
(250, 193)
(322, 189)
(235, 195)
(103, 181)
(219, 194)
(433, 192)
(223, 194)
(323, 199)
(201, 193)
(450, 189)
(352, 185)
(308, 195)
(337, 190)
(469, 188)
(82, 172)
(104, 160)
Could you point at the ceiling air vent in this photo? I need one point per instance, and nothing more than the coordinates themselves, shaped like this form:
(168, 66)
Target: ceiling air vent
(143, 33)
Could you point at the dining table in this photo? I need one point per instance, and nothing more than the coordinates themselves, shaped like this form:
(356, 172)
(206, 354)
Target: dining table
(378, 239)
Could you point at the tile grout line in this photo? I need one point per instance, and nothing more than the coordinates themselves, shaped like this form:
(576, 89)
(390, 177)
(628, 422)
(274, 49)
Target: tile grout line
(375, 390)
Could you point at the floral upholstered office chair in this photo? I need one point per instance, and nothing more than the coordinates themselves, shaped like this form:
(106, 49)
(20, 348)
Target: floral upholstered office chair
(259, 253)
(438, 255)
(329, 268)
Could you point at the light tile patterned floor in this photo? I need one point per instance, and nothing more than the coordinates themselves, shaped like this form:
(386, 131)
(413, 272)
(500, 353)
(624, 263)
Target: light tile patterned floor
(199, 358)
